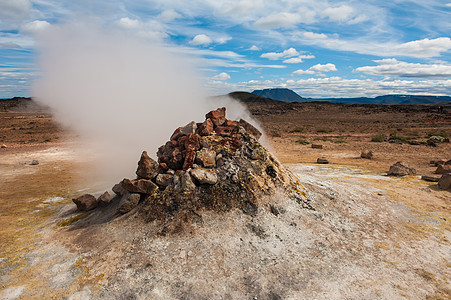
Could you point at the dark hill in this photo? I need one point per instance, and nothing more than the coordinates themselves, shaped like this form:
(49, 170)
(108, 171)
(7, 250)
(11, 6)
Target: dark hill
(249, 98)
(282, 94)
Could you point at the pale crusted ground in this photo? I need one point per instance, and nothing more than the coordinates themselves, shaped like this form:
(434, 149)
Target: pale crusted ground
(369, 237)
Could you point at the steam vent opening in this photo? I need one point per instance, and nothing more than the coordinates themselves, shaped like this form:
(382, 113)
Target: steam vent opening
(216, 165)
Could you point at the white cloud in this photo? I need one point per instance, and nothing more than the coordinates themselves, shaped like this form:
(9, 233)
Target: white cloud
(312, 35)
(222, 76)
(425, 47)
(448, 4)
(169, 15)
(35, 27)
(254, 48)
(201, 39)
(338, 14)
(393, 67)
(278, 55)
(223, 40)
(279, 20)
(127, 23)
(14, 9)
(299, 59)
(316, 69)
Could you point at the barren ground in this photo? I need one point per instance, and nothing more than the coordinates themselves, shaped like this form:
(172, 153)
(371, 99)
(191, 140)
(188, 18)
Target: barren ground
(369, 237)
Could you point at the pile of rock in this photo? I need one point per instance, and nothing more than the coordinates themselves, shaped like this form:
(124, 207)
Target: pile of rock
(216, 165)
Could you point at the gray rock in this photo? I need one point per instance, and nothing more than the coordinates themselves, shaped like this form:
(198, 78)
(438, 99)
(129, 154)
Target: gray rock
(206, 157)
(430, 178)
(147, 167)
(104, 199)
(322, 160)
(368, 154)
(445, 182)
(142, 186)
(118, 189)
(204, 176)
(184, 130)
(317, 146)
(186, 182)
(85, 202)
(443, 169)
(164, 179)
(128, 202)
(401, 169)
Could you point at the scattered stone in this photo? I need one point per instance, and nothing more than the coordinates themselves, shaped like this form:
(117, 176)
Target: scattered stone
(190, 156)
(430, 178)
(443, 169)
(85, 202)
(204, 176)
(226, 130)
(431, 143)
(251, 129)
(448, 162)
(206, 158)
(368, 154)
(147, 167)
(34, 162)
(445, 182)
(164, 179)
(104, 199)
(118, 189)
(401, 169)
(4, 146)
(142, 186)
(164, 167)
(128, 202)
(217, 116)
(437, 162)
(317, 146)
(437, 138)
(170, 171)
(184, 130)
(186, 183)
(322, 160)
(415, 143)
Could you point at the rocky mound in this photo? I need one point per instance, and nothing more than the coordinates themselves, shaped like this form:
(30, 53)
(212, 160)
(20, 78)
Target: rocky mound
(216, 165)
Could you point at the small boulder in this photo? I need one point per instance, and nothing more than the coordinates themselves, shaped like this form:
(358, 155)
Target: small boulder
(128, 202)
(183, 182)
(430, 178)
(184, 130)
(104, 199)
(437, 162)
(322, 160)
(368, 154)
(34, 162)
(437, 138)
(164, 179)
(147, 167)
(85, 202)
(250, 129)
(190, 156)
(445, 182)
(204, 176)
(118, 189)
(206, 157)
(142, 186)
(225, 130)
(431, 143)
(3, 146)
(217, 116)
(443, 169)
(317, 146)
(401, 169)
(206, 128)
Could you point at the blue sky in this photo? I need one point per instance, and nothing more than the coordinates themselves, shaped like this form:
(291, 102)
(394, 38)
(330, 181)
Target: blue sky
(317, 48)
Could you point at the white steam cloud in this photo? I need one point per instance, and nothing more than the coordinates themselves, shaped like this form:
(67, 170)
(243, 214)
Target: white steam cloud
(120, 94)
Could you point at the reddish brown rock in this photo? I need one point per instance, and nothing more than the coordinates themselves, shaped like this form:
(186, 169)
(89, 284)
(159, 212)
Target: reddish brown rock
(232, 123)
(206, 128)
(217, 116)
(141, 186)
(164, 179)
(443, 169)
(104, 199)
(225, 130)
(184, 130)
(190, 142)
(322, 160)
(445, 182)
(85, 202)
(401, 169)
(190, 156)
(430, 178)
(118, 189)
(437, 162)
(317, 146)
(147, 167)
(250, 129)
(368, 154)
(129, 202)
(164, 167)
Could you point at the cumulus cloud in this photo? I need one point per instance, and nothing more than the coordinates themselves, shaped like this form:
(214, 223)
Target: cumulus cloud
(393, 67)
(425, 47)
(35, 27)
(278, 55)
(128, 23)
(314, 36)
(201, 39)
(254, 48)
(221, 76)
(318, 69)
(169, 15)
(279, 20)
(299, 59)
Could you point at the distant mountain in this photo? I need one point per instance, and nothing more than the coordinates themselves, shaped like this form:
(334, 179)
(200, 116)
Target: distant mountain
(389, 99)
(285, 95)
(248, 98)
